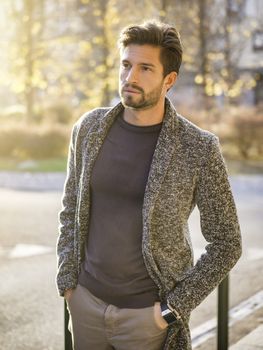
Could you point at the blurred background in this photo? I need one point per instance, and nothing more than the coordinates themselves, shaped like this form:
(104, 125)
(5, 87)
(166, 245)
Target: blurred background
(58, 59)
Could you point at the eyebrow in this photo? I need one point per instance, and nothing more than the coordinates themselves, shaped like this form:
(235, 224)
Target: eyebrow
(141, 64)
(148, 65)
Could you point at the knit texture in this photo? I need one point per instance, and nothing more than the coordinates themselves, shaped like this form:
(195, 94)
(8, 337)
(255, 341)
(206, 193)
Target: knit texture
(187, 170)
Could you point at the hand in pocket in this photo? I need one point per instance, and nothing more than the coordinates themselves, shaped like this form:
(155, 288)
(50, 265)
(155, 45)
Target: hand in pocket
(68, 293)
(160, 321)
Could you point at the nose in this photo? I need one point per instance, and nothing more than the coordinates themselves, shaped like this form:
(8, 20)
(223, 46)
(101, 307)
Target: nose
(132, 76)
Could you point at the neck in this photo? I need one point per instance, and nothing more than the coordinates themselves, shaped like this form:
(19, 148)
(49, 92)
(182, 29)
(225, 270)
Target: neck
(151, 116)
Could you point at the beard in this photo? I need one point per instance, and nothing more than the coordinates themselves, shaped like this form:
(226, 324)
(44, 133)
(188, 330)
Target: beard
(141, 100)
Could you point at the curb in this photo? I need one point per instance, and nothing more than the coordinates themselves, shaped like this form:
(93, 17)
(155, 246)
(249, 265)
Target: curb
(252, 341)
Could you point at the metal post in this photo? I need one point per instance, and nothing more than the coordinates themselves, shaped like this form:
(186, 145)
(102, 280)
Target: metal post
(222, 315)
(67, 334)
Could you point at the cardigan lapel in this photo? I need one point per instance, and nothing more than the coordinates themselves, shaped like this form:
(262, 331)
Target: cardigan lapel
(166, 146)
(97, 135)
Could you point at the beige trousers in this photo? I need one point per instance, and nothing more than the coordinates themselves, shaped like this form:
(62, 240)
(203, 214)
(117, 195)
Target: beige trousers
(96, 325)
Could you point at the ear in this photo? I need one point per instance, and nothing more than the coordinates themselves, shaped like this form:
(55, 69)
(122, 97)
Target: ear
(170, 79)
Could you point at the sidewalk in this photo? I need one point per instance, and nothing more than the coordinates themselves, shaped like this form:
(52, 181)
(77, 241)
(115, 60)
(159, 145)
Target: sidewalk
(253, 341)
(27, 181)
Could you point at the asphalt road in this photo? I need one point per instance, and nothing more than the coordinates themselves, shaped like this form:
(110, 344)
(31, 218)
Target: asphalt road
(31, 311)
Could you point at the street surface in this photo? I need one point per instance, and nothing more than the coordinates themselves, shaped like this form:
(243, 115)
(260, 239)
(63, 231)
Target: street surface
(31, 311)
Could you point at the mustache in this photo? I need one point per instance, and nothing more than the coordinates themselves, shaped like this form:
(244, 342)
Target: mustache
(133, 86)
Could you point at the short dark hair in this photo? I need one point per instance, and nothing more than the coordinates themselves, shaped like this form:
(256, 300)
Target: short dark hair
(156, 34)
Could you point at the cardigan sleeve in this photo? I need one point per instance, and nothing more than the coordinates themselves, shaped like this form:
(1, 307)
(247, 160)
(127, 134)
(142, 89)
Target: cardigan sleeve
(67, 271)
(220, 228)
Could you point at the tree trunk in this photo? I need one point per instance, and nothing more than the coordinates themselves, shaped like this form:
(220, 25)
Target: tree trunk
(203, 29)
(29, 89)
(163, 10)
(227, 54)
(106, 95)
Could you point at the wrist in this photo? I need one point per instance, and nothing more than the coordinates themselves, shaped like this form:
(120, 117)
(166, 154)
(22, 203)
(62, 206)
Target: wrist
(68, 293)
(158, 316)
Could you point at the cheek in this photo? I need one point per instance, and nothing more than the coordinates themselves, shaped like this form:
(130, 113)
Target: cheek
(122, 75)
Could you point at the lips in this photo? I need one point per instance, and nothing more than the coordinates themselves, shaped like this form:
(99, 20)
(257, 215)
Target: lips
(131, 91)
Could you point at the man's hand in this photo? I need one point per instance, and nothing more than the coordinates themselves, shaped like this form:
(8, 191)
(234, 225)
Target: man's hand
(68, 293)
(158, 316)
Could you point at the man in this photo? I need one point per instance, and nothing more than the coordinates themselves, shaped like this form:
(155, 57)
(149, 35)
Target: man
(135, 173)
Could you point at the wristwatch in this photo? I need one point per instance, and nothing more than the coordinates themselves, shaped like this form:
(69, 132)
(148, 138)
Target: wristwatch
(170, 315)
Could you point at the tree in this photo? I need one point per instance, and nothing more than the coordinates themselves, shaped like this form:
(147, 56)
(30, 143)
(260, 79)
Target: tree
(163, 10)
(203, 42)
(26, 50)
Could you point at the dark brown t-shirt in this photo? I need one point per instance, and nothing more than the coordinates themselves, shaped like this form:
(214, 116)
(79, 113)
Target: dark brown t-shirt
(114, 268)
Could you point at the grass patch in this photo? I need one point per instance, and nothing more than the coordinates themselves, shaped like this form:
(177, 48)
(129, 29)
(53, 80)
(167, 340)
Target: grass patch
(46, 165)
(60, 165)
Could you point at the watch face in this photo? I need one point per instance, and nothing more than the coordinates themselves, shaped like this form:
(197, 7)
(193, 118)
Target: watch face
(168, 316)
(166, 312)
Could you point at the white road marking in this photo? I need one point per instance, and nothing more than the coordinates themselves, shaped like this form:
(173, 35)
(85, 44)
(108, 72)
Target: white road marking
(25, 250)
(254, 254)
(2, 251)
(208, 329)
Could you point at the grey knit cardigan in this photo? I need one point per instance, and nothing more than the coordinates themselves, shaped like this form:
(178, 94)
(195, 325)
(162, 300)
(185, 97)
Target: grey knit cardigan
(187, 169)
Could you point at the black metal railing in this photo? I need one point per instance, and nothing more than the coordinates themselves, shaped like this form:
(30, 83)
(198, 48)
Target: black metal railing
(222, 318)
(222, 314)
(67, 334)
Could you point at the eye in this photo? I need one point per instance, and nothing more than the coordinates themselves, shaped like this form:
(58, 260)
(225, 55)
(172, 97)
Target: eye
(146, 68)
(125, 65)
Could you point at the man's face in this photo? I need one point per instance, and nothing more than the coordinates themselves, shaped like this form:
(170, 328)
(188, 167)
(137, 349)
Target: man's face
(141, 81)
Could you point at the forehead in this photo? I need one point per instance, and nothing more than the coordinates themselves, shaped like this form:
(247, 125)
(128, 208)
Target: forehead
(142, 54)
